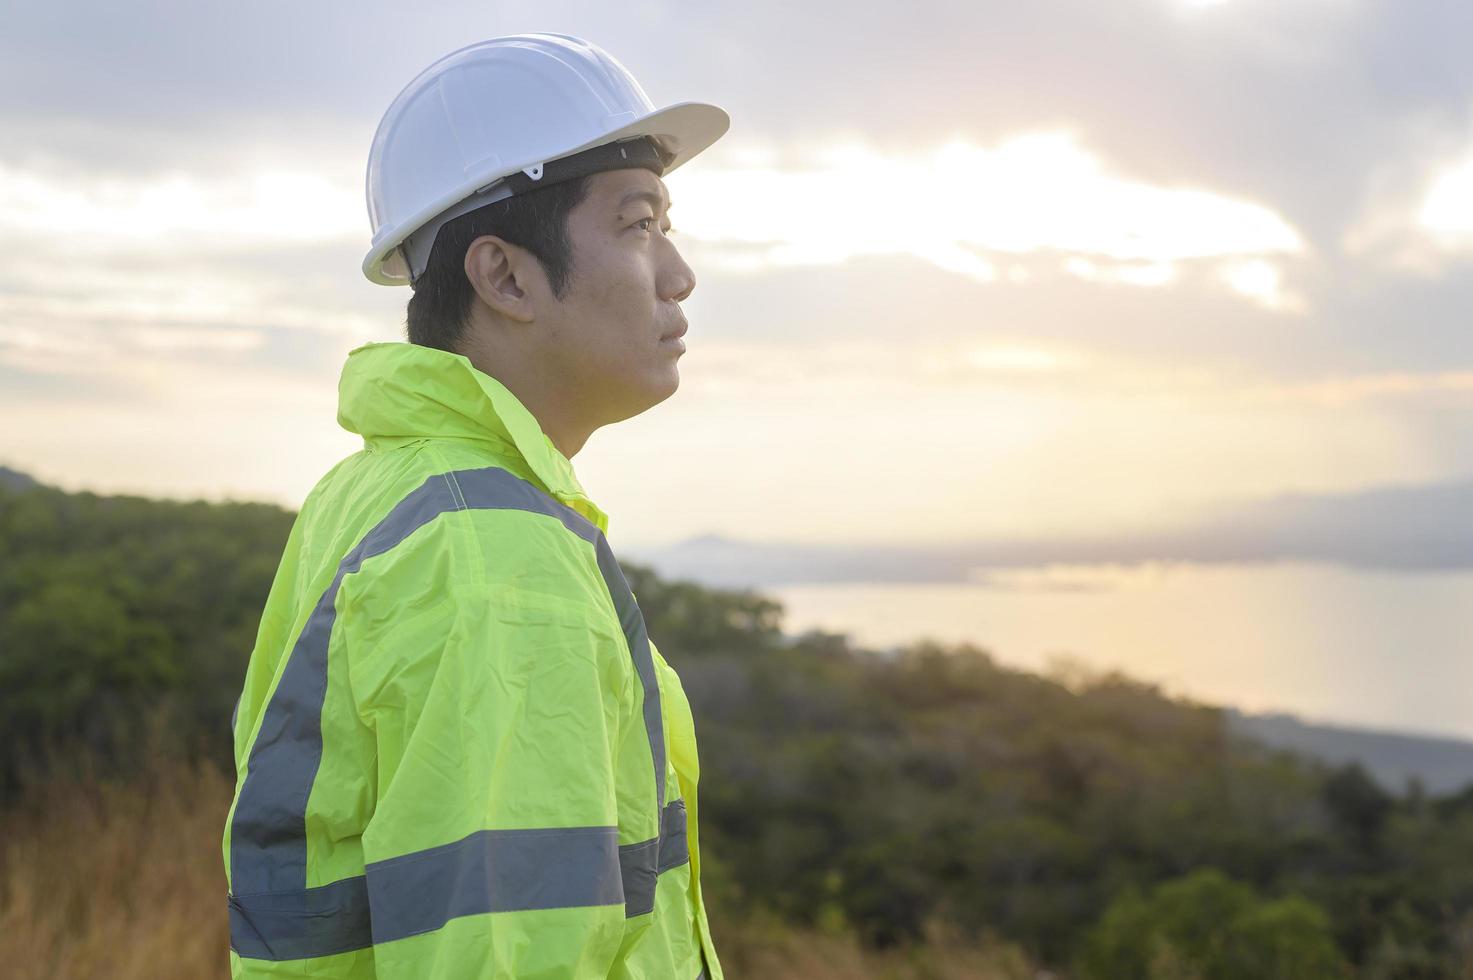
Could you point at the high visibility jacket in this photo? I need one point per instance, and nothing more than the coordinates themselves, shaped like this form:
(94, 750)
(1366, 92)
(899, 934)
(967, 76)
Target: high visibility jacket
(459, 756)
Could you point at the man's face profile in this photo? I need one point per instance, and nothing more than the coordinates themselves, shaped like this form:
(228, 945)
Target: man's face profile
(613, 328)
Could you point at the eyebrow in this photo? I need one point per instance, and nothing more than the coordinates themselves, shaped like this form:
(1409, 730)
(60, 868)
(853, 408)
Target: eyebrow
(643, 195)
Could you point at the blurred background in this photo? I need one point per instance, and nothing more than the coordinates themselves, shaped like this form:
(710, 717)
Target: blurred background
(1066, 496)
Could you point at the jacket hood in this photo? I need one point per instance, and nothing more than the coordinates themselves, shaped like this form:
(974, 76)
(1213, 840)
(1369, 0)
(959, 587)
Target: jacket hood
(394, 393)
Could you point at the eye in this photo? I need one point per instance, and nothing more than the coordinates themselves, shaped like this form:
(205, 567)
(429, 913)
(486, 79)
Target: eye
(641, 221)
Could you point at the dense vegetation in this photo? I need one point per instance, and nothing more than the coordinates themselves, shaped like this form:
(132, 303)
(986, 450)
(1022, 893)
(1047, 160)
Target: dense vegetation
(113, 608)
(1085, 821)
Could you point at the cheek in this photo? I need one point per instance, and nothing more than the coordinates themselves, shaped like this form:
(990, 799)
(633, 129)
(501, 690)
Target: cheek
(604, 340)
(621, 302)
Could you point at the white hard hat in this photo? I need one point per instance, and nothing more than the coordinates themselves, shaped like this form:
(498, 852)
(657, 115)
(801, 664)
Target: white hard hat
(504, 116)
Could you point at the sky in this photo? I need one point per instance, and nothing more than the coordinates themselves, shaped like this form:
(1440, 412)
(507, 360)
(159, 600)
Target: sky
(978, 284)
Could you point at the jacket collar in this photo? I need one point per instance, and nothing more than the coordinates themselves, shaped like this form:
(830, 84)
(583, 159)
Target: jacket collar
(395, 393)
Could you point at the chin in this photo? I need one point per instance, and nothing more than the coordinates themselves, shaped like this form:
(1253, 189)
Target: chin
(665, 382)
(671, 385)
(647, 396)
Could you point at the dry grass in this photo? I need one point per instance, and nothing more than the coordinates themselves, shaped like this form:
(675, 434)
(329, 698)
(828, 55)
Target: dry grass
(121, 880)
(101, 878)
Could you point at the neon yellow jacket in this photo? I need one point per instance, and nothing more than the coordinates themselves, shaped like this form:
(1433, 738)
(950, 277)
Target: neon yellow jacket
(459, 756)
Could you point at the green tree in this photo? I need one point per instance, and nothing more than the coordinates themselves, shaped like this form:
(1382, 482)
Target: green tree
(1206, 926)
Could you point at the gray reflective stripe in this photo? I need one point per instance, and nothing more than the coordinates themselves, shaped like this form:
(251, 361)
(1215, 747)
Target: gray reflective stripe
(494, 871)
(293, 925)
(640, 865)
(638, 868)
(489, 871)
(268, 835)
(632, 622)
(674, 848)
(268, 845)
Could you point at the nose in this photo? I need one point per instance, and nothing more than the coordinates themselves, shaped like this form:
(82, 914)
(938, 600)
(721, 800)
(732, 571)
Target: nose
(678, 280)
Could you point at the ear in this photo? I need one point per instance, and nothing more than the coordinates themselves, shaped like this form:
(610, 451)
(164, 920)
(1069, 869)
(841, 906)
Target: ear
(503, 276)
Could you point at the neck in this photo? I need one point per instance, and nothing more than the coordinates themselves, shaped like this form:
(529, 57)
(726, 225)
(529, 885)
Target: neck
(540, 393)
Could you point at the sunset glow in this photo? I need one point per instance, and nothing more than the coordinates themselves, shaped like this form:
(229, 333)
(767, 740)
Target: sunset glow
(962, 205)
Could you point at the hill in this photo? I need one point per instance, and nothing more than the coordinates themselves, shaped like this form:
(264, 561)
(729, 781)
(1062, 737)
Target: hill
(1396, 760)
(16, 481)
(1098, 826)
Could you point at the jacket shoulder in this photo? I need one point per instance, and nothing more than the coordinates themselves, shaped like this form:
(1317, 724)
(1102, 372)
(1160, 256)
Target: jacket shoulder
(482, 531)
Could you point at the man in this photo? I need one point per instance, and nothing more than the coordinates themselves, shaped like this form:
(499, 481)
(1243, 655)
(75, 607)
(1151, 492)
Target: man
(459, 754)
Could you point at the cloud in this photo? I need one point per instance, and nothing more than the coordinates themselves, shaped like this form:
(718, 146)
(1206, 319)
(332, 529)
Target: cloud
(1408, 528)
(1420, 528)
(1208, 164)
(966, 207)
(1296, 108)
(188, 420)
(1446, 211)
(1290, 104)
(1419, 221)
(177, 211)
(122, 271)
(99, 320)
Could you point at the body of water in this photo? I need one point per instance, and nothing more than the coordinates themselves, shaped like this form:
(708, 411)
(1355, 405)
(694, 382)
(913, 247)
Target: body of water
(1384, 650)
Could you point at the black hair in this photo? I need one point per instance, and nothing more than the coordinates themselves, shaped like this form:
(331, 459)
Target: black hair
(537, 221)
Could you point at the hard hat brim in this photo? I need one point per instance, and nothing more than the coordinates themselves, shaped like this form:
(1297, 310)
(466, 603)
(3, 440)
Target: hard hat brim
(685, 129)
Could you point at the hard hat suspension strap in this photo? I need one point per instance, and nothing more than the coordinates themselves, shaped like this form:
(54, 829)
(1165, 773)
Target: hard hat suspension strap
(636, 151)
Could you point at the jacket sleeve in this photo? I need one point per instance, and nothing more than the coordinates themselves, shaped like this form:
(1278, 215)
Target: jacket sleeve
(498, 713)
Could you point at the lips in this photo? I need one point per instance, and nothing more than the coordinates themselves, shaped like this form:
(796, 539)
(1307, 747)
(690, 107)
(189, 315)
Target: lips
(678, 332)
